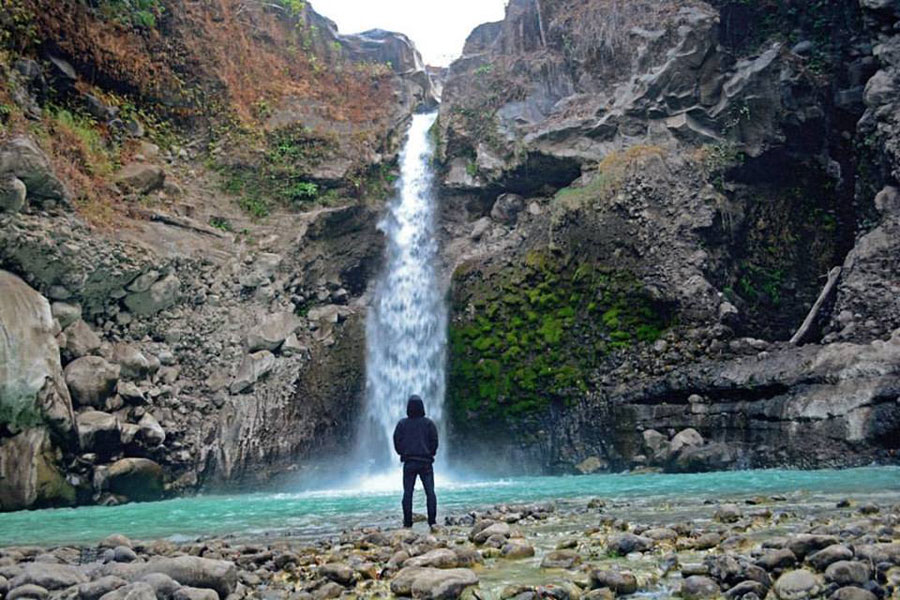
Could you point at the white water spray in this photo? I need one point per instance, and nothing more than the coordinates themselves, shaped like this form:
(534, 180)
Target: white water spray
(407, 321)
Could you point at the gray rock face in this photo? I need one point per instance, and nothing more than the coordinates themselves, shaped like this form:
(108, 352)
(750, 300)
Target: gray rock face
(432, 584)
(398, 51)
(92, 380)
(22, 158)
(34, 400)
(253, 367)
(805, 544)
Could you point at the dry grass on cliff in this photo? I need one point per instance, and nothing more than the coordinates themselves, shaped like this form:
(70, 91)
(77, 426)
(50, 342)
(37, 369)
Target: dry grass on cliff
(219, 63)
(203, 59)
(606, 180)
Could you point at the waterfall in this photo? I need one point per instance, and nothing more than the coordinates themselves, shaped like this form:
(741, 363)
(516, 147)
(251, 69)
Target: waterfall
(407, 320)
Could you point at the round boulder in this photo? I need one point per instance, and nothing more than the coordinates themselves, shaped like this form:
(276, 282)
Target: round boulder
(621, 582)
(136, 479)
(12, 193)
(798, 585)
(847, 572)
(91, 380)
(698, 587)
(80, 340)
(98, 432)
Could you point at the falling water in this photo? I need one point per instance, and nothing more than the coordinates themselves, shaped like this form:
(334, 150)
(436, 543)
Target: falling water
(406, 327)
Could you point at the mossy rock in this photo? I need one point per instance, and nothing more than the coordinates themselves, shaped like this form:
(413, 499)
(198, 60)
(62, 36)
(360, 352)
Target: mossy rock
(535, 343)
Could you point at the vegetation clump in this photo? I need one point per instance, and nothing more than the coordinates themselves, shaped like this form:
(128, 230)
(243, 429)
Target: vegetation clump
(538, 330)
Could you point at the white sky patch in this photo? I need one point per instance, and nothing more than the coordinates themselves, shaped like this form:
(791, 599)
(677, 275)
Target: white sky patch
(438, 27)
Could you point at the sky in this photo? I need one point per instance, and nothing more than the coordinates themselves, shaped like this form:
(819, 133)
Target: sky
(438, 27)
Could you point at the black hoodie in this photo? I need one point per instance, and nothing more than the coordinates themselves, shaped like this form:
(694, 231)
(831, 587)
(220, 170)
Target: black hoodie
(416, 437)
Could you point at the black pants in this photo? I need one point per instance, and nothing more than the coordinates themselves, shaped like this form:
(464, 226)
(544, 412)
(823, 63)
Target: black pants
(425, 472)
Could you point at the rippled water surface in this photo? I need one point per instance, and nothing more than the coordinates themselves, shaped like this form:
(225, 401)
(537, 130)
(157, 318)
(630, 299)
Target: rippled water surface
(312, 513)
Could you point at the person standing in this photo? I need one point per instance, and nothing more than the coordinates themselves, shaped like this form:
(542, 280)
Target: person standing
(416, 441)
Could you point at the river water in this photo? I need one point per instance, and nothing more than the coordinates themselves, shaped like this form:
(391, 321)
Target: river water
(310, 514)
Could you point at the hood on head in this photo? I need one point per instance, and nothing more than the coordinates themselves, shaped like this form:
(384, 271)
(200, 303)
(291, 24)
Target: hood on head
(415, 407)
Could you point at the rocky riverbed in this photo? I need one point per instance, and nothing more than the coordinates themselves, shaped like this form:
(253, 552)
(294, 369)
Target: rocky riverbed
(788, 547)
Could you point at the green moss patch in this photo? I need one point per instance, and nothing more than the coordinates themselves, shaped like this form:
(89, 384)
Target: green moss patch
(537, 332)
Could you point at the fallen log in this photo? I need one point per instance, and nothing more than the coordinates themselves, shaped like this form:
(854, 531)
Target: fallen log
(830, 285)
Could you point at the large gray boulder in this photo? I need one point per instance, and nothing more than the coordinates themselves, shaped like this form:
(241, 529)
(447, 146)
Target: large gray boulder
(98, 432)
(141, 177)
(32, 386)
(80, 340)
(150, 431)
(65, 313)
(158, 296)
(439, 558)
(429, 583)
(132, 362)
(30, 474)
(29, 591)
(22, 158)
(698, 587)
(135, 478)
(92, 380)
(12, 193)
(49, 576)
(193, 571)
(133, 591)
(686, 438)
(94, 590)
(798, 585)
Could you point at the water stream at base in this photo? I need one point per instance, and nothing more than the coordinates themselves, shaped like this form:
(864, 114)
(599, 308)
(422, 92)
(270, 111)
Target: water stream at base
(407, 320)
(313, 514)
